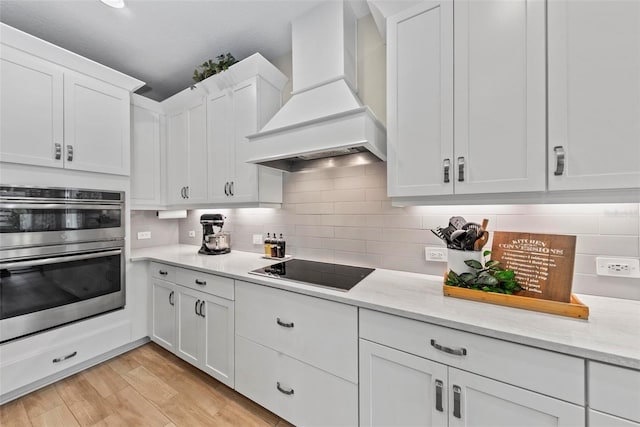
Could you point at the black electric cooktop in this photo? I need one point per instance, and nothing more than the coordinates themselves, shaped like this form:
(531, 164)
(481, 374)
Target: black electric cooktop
(335, 276)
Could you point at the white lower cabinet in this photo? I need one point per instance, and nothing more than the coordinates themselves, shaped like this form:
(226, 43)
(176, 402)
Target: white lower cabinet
(195, 325)
(417, 374)
(297, 355)
(296, 391)
(614, 391)
(163, 314)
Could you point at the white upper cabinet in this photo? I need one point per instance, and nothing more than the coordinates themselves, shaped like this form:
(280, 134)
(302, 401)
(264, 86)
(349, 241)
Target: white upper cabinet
(31, 109)
(147, 185)
(234, 113)
(74, 118)
(594, 94)
(499, 56)
(187, 154)
(420, 100)
(498, 48)
(97, 125)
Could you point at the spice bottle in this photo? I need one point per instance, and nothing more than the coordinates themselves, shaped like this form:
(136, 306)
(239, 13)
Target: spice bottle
(274, 246)
(267, 245)
(282, 244)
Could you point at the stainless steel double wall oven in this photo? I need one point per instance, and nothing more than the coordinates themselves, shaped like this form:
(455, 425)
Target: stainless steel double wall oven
(61, 256)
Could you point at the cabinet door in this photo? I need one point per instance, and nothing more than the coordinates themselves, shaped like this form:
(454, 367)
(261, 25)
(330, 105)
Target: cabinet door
(594, 94)
(480, 401)
(244, 177)
(177, 164)
(197, 153)
(500, 128)
(599, 419)
(420, 100)
(97, 127)
(399, 389)
(189, 325)
(164, 314)
(220, 135)
(218, 349)
(30, 109)
(146, 178)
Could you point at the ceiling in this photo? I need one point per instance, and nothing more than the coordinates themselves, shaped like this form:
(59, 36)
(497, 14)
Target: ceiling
(161, 41)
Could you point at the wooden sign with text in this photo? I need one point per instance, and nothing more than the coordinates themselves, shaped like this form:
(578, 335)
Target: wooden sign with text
(543, 263)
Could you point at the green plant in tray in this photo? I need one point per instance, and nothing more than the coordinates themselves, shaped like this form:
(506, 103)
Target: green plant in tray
(490, 277)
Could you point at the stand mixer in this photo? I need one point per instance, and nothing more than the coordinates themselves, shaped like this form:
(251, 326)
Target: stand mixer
(214, 240)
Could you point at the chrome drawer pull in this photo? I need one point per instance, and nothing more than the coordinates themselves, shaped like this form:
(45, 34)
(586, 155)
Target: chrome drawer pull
(439, 386)
(456, 401)
(200, 312)
(201, 282)
(284, 391)
(283, 324)
(231, 189)
(70, 153)
(196, 308)
(171, 301)
(162, 273)
(58, 148)
(68, 356)
(460, 169)
(559, 150)
(456, 351)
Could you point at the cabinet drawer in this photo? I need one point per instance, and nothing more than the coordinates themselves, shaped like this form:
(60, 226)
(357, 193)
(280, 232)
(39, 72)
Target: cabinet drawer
(208, 283)
(61, 356)
(163, 271)
(319, 332)
(543, 371)
(298, 392)
(614, 390)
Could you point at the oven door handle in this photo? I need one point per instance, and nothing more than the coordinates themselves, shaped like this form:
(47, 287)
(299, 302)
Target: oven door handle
(53, 260)
(60, 206)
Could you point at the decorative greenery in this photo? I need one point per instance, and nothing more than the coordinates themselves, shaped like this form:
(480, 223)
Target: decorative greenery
(210, 68)
(489, 277)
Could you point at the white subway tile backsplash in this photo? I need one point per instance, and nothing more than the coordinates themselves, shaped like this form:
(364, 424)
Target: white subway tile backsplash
(344, 215)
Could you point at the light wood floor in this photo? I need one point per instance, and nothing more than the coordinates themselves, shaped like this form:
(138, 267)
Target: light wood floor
(147, 386)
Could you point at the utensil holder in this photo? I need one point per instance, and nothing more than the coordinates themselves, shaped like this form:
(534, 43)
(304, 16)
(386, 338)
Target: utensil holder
(456, 259)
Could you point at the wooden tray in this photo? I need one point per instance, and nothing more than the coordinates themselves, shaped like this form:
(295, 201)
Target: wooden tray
(575, 308)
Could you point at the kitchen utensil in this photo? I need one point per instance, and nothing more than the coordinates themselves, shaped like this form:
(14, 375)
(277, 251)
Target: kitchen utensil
(457, 222)
(481, 241)
(444, 233)
(469, 239)
(471, 225)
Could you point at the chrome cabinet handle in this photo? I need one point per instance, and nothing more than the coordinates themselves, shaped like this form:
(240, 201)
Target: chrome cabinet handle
(455, 351)
(559, 150)
(162, 272)
(201, 282)
(196, 308)
(231, 188)
(201, 308)
(186, 191)
(447, 165)
(439, 386)
(182, 192)
(283, 324)
(226, 188)
(171, 302)
(61, 359)
(288, 392)
(456, 401)
(460, 169)
(70, 153)
(58, 148)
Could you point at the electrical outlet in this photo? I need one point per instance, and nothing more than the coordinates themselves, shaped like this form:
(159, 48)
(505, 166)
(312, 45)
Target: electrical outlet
(144, 235)
(618, 267)
(257, 239)
(192, 233)
(437, 254)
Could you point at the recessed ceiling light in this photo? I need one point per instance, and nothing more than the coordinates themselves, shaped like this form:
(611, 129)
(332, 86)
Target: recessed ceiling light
(118, 4)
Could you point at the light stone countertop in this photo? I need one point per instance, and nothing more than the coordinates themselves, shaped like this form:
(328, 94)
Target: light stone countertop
(611, 334)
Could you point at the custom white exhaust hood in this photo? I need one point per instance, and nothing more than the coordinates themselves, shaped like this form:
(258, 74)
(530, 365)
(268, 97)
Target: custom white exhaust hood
(324, 119)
